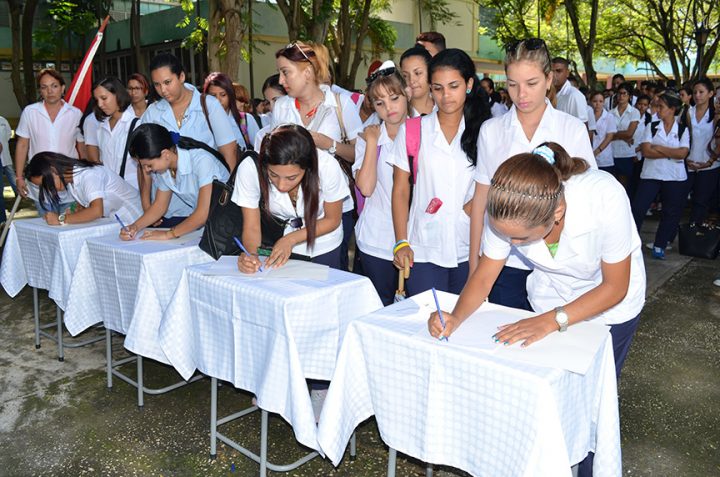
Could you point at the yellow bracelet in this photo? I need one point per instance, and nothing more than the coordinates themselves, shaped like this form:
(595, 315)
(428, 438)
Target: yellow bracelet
(400, 247)
(172, 232)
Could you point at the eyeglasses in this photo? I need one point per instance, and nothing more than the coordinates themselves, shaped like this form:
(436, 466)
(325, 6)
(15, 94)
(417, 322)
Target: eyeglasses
(295, 44)
(380, 73)
(528, 43)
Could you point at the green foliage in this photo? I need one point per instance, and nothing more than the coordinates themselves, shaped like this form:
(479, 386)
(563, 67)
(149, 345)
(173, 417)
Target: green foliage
(198, 35)
(382, 36)
(439, 13)
(64, 19)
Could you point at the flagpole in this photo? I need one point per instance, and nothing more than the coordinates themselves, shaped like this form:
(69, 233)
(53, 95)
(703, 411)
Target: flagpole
(87, 61)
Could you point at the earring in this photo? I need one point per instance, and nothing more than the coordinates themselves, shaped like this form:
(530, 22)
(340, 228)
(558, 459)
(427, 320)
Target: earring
(467, 91)
(557, 222)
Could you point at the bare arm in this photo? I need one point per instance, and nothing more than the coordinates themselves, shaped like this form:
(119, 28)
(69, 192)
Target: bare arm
(92, 212)
(366, 177)
(628, 133)
(229, 152)
(400, 213)
(21, 153)
(93, 153)
(477, 220)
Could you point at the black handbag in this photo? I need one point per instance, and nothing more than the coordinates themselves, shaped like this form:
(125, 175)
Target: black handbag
(225, 219)
(699, 240)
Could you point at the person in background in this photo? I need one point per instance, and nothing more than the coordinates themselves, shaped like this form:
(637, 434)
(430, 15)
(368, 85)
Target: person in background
(432, 41)
(7, 168)
(272, 90)
(414, 66)
(642, 105)
(605, 128)
(219, 86)
(569, 99)
(48, 125)
(138, 88)
(626, 120)
(611, 99)
(242, 98)
(88, 127)
(497, 107)
(686, 95)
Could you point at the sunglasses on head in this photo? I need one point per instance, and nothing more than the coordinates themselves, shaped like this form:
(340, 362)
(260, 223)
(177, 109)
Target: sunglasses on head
(295, 44)
(379, 73)
(528, 43)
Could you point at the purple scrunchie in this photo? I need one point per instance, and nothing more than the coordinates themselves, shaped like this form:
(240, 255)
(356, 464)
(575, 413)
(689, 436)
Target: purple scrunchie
(175, 137)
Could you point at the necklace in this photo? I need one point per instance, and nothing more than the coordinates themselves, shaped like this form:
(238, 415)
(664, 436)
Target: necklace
(310, 113)
(293, 198)
(182, 115)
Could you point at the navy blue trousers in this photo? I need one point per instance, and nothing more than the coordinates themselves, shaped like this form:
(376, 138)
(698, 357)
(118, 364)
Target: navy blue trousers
(673, 194)
(348, 226)
(382, 274)
(510, 289)
(424, 276)
(704, 187)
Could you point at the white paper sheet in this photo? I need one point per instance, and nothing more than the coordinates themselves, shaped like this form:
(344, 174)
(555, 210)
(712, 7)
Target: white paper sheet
(292, 270)
(193, 238)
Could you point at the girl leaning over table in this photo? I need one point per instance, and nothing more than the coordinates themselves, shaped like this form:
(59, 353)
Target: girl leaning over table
(574, 225)
(98, 190)
(374, 179)
(180, 167)
(292, 186)
(432, 225)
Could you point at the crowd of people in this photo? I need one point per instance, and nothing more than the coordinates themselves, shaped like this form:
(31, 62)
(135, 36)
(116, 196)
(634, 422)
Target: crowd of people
(531, 195)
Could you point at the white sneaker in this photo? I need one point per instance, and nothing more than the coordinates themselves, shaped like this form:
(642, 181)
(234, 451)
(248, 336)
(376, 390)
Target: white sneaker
(651, 245)
(317, 398)
(716, 282)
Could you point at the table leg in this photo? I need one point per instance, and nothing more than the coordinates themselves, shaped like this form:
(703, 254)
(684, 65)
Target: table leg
(263, 442)
(353, 446)
(141, 402)
(108, 356)
(213, 418)
(392, 458)
(36, 313)
(61, 350)
(429, 470)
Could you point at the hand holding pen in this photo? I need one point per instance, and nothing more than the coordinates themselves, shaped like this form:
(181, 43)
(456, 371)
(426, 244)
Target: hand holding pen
(247, 263)
(126, 232)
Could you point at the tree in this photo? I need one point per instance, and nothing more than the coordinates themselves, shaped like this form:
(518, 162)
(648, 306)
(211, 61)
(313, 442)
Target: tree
(28, 15)
(307, 19)
(15, 15)
(438, 12)
(138, 58)
(65, 20)
(586, 48)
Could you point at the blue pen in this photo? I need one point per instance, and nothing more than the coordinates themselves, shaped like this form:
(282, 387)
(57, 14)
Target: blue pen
(242, 247)
(440, 315)
(122, 226)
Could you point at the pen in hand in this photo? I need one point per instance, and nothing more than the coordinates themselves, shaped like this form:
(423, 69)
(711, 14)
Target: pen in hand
(239, 244)
(440, 315)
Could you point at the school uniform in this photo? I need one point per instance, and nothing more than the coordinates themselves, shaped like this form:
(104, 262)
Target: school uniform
(250, 126)
(571, 101)
(112, 144)
(374, 233)
(440, 240)
(194, 124)
(604, 125)
(498, 109)
(623, 153)
(598, 228)
(591, 125)
(703, 183)
(503, 137)
(664, 175)
(333, 188)
(638, 164)
(90, 130)
(196, 168)
(101, 182)
(325, 121)
(261, 135)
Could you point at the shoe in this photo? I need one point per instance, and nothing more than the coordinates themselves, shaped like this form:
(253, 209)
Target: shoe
(317, 398)
(658, 253)
(648, 213)
(651, 245)
(716, 282)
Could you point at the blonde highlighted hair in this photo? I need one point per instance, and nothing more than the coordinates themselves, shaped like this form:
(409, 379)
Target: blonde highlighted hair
(313, 55)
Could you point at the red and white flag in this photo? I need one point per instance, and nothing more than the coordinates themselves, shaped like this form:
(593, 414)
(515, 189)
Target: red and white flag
(80, 89)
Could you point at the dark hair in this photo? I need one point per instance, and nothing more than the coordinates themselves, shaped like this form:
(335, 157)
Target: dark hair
(147, 141)
(595, 93)
(618, 76)
(672, 100)
(561, 60)
(392, 82)
(166, 60)
(221, 80)
(490, 81)
(51, 72)
(89, 109)
(417, 51)
(437, 39)
(527, 188)
(627, 86)
(114, 86)
(43, 164)
(273, 82)
(140, 78)
(643, 96)
(292, 144)
(477, 107)
(707, 84)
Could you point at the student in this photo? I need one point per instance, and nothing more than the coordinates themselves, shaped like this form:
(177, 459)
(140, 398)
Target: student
(115, 120)
(98, 190)
(626, 120)
(432, 41)
(48, 125)
(604, 130)
(414, 65)
(642, 105)
(242, 101)
(374, 178)
(431, 222)
(304, 73)
(686, 94)
(182, 167)
(6, 164)
(611, 99)
(531, 121)
(665, 147)
(497, 107)
(220, 87)
(703, 167)
(138, 88)
(294, 185)
(573, 223)
(569, 99)
(272, 91)
(88, 126)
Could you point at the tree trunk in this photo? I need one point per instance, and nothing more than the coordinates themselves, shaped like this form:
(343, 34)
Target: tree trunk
(214, 34)
(234, 32)
(359, 41)
(138, 59)
(27, 51)
(15, 13)
(585, 48)
(294, 17)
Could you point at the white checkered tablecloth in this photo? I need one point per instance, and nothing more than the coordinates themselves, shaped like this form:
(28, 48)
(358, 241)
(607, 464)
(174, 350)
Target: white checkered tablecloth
(44, 256)
(468, 409)
(128, 287)
(264, 336)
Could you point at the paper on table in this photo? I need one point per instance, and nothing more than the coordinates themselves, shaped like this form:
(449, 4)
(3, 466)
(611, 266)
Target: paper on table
(192, 238)
(292, 270)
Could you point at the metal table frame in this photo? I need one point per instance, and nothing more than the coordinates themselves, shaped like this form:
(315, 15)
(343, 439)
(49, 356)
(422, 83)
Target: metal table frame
(261, 459)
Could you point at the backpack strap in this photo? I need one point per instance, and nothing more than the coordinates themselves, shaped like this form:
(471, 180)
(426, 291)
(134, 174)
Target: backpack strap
(355, 97)
(412, 145)
(244, 130)
(127, 147)
(338, 112)
(654, 127)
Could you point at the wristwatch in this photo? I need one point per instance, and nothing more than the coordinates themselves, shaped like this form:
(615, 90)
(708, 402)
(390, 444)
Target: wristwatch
(561, 318)
(333, 148)
(61, 218)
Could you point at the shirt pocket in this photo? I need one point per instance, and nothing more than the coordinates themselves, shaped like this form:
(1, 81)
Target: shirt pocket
(429, 230)
(462, 231)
